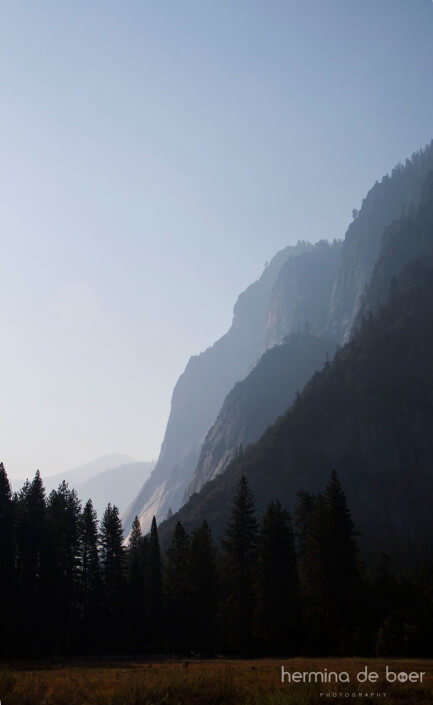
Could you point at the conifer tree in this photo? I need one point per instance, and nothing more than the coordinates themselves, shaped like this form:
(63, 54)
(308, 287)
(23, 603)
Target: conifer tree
(112, 557)
(177, 589)
(155, 615)
(314, 572)
(329, 568)
(239, 544)
(112, 554)
(135, 538)
(203, 591)
(340, 527)
(341, 560)
(63, 546)
(7, 550)
(277, 615)
(90, 585)
(31, 562)
(136, 589)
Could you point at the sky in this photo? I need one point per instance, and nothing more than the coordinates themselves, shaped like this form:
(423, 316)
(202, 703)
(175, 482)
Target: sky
(154, 155)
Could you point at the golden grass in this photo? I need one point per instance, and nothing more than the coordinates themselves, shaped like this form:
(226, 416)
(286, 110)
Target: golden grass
(214, 682)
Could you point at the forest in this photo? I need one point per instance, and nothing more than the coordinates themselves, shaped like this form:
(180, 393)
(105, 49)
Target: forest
(70, 586)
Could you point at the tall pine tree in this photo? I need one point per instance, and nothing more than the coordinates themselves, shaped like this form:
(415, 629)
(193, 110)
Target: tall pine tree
(177, 591)
(7, 573)
(329, 569)
(31, 563)
(277, 614)
(240, 545)
(90, 584)
(155, 617)
(112, 557)
(343, 577)
(136, 556)
(203, 585)
(63, 544)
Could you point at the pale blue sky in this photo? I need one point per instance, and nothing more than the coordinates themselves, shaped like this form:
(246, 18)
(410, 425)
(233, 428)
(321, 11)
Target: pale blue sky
(153, 156)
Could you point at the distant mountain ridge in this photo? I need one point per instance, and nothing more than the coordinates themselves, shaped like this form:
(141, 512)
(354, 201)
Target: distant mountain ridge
(110, 479)
(308, 288)
(257, 401)
(84, 472)
(115, 486)
(368, 414)
(384, 203)
(323, 285)
(200, 392)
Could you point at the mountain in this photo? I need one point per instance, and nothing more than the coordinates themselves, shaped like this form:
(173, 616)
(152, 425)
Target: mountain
(302, 292)
(115, 486)
(384, 203)
(257, 401)
(200, 392)
(112, 478)
(322, 285)
(84, 472)
(368, 414)
(406, 239)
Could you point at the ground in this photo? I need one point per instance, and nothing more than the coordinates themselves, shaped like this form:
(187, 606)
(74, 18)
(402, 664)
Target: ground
(210, 682)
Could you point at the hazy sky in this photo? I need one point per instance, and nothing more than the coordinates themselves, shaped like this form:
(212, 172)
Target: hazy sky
(153, 156)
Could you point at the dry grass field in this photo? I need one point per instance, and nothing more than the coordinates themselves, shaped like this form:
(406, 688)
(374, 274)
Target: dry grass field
(214, 682)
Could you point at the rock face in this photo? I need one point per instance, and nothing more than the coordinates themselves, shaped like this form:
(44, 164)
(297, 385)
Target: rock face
(368, 414)
(257, 401)
(199, 394)
(405, 240)
(321, 286)
(302, 292)
(383, 204)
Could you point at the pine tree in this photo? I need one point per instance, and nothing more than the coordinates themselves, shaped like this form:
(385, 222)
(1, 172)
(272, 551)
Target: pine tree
(90, 585)
(112, 558)
(277, 615)
(342, 561)
(134, 538)
(239, 544)
(341, 528)
(112, 554)
(155, 614)
(7, 551)
(314, 572)
(177, 590)
(203, 591)
(136, 588)
(31, 562)
(63, 547)
(329, 569)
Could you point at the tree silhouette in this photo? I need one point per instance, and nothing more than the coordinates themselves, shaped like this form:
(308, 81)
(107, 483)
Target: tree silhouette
(277, 614)
(155, 616)
(90, 583)
(239, 545)
(136, 588)
(112, 557)
(31, 566)
(7, 555)
(203, 590)
(177, 589)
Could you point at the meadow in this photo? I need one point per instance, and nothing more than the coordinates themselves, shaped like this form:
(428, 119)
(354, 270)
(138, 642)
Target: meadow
(197, 682)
